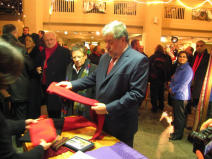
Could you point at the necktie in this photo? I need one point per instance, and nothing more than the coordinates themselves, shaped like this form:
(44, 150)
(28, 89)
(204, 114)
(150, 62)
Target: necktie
(111, 64)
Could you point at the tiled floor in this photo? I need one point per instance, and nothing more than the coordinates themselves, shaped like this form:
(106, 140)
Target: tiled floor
(152, 140)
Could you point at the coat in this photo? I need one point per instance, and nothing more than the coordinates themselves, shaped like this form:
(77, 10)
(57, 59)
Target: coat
(199, 75)
(9, 128)
(181, 82)
(55, 72)
(122, 90)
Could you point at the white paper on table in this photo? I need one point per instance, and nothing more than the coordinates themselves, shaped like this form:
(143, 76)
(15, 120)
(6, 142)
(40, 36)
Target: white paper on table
(80, 155)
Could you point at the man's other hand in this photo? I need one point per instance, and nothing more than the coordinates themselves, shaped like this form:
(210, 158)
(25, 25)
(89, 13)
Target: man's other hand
(65, 84)
(100, 108)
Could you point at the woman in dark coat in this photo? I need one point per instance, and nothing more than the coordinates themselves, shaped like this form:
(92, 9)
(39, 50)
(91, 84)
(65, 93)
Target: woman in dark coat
(31, 44)
(11, 64)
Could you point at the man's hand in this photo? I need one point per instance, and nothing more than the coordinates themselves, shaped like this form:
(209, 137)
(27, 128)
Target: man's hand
(100, 108)
(39, 70)
(30, 121)
(65, 84)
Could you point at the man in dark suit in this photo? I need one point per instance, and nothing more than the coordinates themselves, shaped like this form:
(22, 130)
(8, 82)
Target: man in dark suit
(54, 62)
(119, 89)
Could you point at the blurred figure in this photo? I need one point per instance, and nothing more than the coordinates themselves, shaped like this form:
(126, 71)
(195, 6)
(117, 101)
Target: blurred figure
(159, 70)
(19, 97)
(181, 94)
(54, 62)
(11, 62)
(24, 34)
(32, 43)
(95, 55)
(41, 34)
(190, 51)
(81, 68)
(135, 44)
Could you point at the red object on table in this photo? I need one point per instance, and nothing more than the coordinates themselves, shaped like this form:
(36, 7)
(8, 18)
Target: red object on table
(43, 129)
(68, 94)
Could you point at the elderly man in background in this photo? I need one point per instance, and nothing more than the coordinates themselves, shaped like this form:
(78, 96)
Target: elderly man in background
(80, 68)
(120, 79)
(199, 67)
(54, 61)
(135, 44)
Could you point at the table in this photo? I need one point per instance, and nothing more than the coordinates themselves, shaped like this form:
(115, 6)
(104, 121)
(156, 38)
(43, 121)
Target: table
(87, 133)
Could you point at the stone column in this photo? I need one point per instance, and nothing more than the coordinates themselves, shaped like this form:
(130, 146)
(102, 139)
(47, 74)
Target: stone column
(152, 28)
(33, 15)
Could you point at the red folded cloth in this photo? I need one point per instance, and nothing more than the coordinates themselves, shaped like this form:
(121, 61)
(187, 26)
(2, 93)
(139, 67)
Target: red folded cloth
(66, 93)
(78, 122)
(43, 129)
(75, 122)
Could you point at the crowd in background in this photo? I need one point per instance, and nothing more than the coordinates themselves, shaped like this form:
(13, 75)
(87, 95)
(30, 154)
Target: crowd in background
(46, 61)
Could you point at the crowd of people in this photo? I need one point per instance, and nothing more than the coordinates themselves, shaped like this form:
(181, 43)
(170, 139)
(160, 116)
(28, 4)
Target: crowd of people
(117, 79)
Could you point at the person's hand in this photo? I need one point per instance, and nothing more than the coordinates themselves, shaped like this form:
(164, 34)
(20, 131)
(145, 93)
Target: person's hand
(100, 108)
(206, 124)
(45, 144)
(30, 121)
(39, 70)
(65, 84)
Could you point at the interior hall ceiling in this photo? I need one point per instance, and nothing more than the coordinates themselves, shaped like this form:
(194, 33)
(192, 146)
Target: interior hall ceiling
(10, 9)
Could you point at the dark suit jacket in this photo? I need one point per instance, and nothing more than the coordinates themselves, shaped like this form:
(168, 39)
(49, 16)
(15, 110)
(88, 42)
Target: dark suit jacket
(122, 90)
(199, 75)
(55, 72)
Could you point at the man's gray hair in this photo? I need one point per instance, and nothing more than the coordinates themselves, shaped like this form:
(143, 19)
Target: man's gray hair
(117, 29)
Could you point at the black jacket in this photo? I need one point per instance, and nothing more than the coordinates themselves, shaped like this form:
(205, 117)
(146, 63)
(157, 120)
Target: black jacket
(159, 68)
(9, 128)
(20, 89)
(55, 72)
(199, 74)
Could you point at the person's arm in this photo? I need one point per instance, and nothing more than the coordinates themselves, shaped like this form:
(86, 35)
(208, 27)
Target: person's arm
(183, 79)
(16, 127)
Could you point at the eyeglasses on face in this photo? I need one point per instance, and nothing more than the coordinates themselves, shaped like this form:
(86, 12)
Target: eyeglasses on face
(77, 57)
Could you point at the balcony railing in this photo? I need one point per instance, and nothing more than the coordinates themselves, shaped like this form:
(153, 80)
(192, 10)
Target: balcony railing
(174, 12)
(63, 5)
(125, 8)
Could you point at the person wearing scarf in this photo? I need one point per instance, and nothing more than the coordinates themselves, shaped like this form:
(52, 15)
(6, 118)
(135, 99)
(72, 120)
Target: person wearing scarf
(54, 61)
(199, 67)
(80, 68)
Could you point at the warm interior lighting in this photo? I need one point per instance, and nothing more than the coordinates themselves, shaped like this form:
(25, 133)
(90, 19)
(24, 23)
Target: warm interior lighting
(167, 117)
(51, 9)
(153, 2)
(197, 6)
(65, 32)
(97, 33)
(163, 39)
